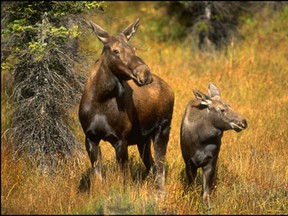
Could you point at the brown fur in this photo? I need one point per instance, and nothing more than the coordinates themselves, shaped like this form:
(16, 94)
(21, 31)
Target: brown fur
(124, 104)
(203, 124)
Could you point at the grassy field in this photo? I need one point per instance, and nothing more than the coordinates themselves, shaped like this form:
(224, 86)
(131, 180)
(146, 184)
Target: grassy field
(252, 166)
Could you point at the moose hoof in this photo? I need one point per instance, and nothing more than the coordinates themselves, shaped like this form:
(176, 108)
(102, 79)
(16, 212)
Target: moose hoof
(206, 200)
(85, 183)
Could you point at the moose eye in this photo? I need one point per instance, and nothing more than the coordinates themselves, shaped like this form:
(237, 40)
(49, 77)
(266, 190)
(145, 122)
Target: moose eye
(116, 52)
(222, 110)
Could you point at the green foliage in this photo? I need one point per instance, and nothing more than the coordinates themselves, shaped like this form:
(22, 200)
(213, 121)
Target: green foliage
(161, 31)
(284, 15)
(216, 21)
(23, 29)
(202, 27)
(39, 45)
(63, 8)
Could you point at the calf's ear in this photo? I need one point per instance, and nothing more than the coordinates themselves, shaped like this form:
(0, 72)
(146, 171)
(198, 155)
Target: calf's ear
(213, 91)
(202, 98)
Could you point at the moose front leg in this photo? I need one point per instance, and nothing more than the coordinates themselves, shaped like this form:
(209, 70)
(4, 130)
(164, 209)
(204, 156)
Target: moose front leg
(94, 152)
(208, 179)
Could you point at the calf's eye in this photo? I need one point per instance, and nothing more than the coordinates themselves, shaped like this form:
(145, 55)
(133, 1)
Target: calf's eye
(222, 110)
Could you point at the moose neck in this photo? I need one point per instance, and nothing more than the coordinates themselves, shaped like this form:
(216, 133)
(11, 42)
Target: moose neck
(212, 131)
(205, 125)
(106, 84)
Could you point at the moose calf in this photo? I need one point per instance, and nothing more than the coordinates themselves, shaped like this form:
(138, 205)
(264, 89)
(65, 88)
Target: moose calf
(203, 124)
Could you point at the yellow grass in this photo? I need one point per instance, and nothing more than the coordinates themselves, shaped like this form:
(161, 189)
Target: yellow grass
(252, 167)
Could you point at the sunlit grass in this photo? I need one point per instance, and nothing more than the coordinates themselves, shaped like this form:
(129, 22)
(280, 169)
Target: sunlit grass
(252, 167)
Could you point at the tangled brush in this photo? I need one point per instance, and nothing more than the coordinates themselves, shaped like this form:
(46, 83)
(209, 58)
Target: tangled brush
(39, 47)
(44, 90)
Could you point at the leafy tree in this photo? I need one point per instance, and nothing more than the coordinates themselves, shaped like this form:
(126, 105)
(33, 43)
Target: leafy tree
(39, 41)
(213, 24)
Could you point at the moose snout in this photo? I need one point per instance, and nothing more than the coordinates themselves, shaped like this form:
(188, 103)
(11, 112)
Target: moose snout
(239, 125)
(244, 123)
(143, 75)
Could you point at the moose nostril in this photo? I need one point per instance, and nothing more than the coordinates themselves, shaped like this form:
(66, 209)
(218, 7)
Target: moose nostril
(244, 123)
(143, 75)
(150, 80)
(140, 82)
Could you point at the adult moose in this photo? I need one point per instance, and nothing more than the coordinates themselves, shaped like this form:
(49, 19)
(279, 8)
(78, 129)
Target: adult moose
(125, 104)
(203, 124)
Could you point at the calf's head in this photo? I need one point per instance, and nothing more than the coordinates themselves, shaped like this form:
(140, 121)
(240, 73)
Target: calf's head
(120, 56)
(220, 114)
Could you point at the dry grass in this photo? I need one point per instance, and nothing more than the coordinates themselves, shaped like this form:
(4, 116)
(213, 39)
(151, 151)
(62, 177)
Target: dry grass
(253, 165)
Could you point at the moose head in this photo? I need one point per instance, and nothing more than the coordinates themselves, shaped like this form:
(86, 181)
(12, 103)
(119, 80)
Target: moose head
(120, 56)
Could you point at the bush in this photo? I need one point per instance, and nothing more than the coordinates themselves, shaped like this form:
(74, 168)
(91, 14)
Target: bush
(213, 24)
(40, 47)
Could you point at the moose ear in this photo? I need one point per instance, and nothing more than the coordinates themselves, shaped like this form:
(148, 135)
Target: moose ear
(213, 91)
(203, 98)
(100, 32)
(131, 29)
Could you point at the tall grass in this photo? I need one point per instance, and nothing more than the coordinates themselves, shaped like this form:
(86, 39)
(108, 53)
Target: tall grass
(252, 168)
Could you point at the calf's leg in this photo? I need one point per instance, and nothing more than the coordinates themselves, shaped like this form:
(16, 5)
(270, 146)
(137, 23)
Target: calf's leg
(208, 178)
(191, 171)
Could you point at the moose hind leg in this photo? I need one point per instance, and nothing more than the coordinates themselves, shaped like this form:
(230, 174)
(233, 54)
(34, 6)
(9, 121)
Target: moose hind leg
(160, 146)
(94, 153)
(146, 156)
(121, 150)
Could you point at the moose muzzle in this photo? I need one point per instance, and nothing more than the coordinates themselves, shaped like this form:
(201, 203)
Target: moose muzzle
(143, 75)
